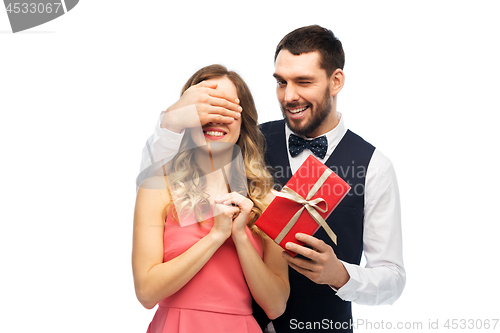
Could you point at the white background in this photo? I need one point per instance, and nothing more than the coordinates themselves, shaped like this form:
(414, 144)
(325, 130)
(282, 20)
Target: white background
(80, 95)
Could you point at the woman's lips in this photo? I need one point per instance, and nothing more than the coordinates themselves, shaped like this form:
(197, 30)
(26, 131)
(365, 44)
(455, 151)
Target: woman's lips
(214, 134)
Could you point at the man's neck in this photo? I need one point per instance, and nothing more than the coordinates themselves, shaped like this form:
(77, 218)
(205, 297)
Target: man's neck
(327, 125)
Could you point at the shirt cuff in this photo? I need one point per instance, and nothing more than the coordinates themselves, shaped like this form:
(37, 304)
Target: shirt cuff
(347, 291)
(168, 144)
(166, 134)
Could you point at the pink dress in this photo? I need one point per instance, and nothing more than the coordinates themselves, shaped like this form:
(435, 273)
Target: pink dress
(217, 299)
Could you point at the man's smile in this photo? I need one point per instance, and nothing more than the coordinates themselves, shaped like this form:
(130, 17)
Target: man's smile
(297, 112)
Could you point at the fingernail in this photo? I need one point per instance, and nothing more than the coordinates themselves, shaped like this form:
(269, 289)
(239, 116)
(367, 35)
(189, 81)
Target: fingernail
(298, 236)
(237, 101)
(288, 245)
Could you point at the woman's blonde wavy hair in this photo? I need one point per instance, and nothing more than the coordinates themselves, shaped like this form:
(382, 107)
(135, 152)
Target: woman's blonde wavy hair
(193, 199)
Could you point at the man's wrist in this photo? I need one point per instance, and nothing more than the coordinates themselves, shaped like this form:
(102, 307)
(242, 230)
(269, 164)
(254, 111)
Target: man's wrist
(340, 279)
(180, 118)
(170, 123)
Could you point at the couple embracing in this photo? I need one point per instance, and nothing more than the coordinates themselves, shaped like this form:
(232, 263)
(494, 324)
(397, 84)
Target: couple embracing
(207, 174)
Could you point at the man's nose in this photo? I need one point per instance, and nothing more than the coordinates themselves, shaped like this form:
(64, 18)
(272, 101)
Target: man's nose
(291, 93)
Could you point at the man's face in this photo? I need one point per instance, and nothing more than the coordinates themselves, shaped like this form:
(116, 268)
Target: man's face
(303, 92)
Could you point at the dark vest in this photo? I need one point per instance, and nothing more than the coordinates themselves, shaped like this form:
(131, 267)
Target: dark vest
(310, 303)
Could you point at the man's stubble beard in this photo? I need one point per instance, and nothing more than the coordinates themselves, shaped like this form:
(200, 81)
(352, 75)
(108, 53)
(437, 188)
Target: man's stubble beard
(317, 116)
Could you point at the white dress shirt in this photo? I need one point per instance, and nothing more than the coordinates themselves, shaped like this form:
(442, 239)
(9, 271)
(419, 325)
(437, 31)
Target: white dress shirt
(161, 144)
(383, 278)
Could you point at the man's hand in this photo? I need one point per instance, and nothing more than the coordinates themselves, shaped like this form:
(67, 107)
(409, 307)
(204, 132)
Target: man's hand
(322, 265)
(211, 106)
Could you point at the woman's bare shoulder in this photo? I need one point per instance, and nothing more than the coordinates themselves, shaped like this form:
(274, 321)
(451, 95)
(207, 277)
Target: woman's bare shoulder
(154, 187)
(154, 183)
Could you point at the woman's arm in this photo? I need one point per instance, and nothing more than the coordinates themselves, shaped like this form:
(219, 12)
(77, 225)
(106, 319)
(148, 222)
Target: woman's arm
(267, 279)
(155, 280)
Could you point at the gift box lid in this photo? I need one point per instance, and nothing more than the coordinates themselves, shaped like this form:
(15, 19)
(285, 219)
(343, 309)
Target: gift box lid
(313, 185)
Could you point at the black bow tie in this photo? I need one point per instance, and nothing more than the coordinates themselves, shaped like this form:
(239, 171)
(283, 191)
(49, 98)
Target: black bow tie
(297, 144)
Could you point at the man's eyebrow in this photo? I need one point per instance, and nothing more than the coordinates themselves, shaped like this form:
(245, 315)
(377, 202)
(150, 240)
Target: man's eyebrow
(298, 78)
(304, 78)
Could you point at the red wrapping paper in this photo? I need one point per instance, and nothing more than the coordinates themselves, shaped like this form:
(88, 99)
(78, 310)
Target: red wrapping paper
(281, 210)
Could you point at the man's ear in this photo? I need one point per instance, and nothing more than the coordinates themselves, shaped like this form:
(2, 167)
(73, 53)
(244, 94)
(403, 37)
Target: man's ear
(336, 81)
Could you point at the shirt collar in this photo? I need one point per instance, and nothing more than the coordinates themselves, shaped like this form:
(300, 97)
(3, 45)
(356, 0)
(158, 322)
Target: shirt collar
(334, 136)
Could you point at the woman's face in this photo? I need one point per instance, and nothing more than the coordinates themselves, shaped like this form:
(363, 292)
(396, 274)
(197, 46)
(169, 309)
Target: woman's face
(219, 132)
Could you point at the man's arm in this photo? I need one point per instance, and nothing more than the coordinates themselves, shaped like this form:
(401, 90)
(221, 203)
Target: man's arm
(383, 278)
(199, 105)
(160, 148)
(160, 144)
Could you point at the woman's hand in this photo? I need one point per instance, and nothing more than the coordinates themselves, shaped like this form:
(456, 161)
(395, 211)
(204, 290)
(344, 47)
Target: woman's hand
(267, 276)
(243, 206)
(223, 219)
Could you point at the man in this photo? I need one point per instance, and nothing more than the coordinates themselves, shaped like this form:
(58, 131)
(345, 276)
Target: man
(324, 277)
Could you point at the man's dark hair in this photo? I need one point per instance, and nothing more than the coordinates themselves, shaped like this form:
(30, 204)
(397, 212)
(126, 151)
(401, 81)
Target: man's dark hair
(315, 38)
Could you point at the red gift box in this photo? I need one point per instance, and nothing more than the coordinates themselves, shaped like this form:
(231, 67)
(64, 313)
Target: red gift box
(304, 203)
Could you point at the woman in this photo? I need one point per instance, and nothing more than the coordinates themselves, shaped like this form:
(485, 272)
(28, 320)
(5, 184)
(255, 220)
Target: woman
(204, 275)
